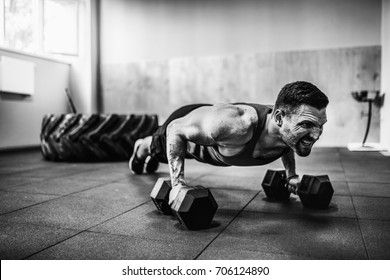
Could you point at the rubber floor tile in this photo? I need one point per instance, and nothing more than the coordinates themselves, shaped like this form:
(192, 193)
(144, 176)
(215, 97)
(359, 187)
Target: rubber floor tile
(103, 176)
(146, 222)
(340, 206)
(119, 193)
(216, 253)
(232, 200)
(9, 181)
(114, 206)
(366, 167)
(372, 207)
(320, 157)
(143, 181)
(71, 212)
(340, 188)
(256, 172)
(369, 189)
(228, 182)
(368, 177)
(315, 238)
(18, 241)
(311, 167)
(11, 201)
(23, 161)
(377, 238)
(54, 171)
(96, 246)
(57, 186)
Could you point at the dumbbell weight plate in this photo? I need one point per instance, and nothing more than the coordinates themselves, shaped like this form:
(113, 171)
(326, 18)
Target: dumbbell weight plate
(315, 191)
(274, 185)
(160, 195)
(195, 207)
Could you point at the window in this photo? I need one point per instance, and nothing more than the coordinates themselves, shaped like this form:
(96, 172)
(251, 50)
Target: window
(40, 26)
(60, 26)
(19, 25)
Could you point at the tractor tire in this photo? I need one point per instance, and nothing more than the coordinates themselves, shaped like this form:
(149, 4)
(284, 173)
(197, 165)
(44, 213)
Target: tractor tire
(94, 137)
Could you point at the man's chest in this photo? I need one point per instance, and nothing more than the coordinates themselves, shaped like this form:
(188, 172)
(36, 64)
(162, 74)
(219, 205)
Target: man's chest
(258, 152)
(272, 150)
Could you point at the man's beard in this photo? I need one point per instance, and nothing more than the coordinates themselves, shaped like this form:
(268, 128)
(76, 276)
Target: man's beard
(301, 146)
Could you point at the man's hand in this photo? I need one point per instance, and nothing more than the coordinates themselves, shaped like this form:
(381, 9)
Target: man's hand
(293, 185)
(174, 192)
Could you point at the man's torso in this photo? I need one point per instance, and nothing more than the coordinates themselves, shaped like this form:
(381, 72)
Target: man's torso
(246, 147)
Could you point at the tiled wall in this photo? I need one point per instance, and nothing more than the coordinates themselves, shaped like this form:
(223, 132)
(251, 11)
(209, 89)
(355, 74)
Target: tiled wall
(161, 86)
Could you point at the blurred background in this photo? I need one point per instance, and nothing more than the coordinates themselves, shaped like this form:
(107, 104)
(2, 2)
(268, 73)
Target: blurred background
(152, 56)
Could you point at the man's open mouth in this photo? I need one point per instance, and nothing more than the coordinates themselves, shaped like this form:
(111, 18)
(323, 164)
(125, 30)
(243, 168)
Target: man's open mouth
(306, 142)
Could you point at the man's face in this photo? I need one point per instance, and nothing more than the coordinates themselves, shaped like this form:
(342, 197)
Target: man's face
(302, 128)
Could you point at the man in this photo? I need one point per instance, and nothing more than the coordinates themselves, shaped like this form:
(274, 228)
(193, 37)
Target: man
(240, 134)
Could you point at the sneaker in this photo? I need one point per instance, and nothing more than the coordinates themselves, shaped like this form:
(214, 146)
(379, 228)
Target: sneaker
(136, 165)
(151, 164)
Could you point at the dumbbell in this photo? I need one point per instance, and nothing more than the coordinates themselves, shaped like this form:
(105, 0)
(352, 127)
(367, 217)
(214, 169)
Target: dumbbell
(160, 195)
(314, 191)
(194, 207)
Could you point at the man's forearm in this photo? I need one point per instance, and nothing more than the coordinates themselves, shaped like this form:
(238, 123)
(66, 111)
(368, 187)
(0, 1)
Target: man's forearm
(289, 163)
(176, 151)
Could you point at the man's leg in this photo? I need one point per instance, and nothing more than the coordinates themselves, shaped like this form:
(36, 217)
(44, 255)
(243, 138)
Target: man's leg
(141, 157)
(144, 148)
(152, 149)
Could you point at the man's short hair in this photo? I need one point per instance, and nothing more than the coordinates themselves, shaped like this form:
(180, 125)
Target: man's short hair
(292, 95)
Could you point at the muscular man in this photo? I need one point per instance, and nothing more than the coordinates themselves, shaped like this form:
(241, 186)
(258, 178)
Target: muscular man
(241, 134)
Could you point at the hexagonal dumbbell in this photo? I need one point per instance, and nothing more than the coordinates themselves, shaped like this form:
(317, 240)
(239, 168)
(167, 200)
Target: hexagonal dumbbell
(314, 191)
(274, 185)
(194, 207)
(160, 195)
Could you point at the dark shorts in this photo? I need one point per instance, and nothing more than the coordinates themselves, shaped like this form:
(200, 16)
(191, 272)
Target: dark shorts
(158, 148)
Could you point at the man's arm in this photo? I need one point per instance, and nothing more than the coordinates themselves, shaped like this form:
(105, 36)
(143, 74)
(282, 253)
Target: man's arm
(178, 133)
(289, 164)
(176, 151)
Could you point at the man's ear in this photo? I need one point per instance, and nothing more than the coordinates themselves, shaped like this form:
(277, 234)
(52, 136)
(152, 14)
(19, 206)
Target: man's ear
(278, 115)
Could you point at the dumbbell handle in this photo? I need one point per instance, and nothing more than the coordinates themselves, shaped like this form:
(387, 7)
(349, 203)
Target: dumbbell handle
(290, 188)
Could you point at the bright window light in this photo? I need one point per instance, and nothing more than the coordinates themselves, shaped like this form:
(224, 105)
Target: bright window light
(60, 26)
(19, 25)
(40, 26)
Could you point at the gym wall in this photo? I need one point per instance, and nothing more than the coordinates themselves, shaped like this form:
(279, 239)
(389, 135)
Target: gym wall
(162, 86)
(158, 55)
(21, 115)
(385, 69)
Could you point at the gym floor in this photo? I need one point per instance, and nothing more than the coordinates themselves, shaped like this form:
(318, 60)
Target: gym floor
(51, 210)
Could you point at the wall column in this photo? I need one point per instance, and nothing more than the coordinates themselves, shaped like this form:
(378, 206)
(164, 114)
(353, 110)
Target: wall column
(385, 75)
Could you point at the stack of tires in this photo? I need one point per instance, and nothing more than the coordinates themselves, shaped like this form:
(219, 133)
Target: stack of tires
(94, 137)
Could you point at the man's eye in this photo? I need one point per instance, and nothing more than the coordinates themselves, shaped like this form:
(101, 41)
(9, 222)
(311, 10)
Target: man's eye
(306, 125)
